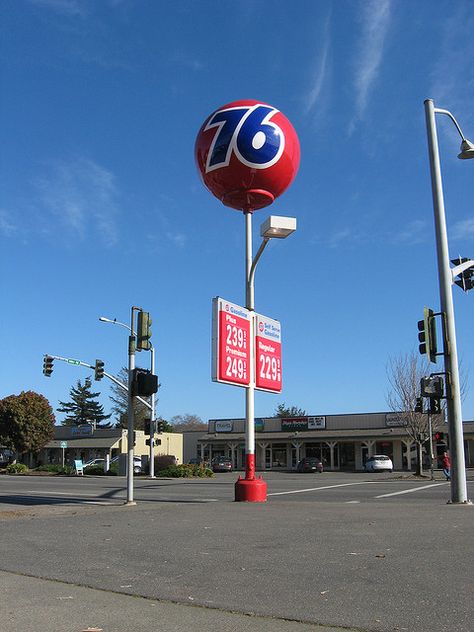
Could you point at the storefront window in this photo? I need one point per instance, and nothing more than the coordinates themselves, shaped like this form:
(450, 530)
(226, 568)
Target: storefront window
(279, 455)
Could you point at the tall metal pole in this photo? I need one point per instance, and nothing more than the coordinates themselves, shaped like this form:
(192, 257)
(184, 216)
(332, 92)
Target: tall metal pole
(250, 390)
(130, 424)
(152, 420)
(453, 393)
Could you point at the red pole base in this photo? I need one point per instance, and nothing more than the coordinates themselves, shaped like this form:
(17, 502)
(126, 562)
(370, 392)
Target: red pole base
(250, 490)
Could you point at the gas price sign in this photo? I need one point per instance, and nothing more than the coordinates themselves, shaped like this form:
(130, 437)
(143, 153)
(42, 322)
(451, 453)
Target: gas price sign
(231, 345)
(267, 354)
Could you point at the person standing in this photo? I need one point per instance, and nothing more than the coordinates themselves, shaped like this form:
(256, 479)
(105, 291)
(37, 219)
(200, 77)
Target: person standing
(447, 466)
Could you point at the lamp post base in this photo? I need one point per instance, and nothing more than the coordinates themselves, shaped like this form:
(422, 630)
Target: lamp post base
(252, 490)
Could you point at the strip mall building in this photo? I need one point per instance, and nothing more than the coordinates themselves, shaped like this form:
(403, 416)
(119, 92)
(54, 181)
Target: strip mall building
(342, 442)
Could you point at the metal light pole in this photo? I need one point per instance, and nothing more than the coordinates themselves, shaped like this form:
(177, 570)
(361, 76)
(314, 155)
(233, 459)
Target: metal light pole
(152, 397)
(250, 488)
(453, 394)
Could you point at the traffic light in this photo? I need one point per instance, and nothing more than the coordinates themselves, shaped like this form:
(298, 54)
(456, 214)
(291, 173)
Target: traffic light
(435, 406)
(98, 370)
(419, 405)
(465, 279)
(427, 334)
(144, 331)
(160, 426)
(432, 386)
(439, 437)
(147, 427)
(48, 365)
(144, 383)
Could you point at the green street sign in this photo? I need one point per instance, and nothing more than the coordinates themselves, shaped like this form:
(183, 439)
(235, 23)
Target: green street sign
(70, 361)
(63, 444)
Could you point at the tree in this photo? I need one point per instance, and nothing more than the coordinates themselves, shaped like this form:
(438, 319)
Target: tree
(120, 404)
(83, 408)
(404, 374)
(26, 422)
(282, 410)
(187, 421)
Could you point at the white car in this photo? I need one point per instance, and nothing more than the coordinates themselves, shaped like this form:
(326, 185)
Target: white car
(379, 463)
(94, 462)
(137, 463)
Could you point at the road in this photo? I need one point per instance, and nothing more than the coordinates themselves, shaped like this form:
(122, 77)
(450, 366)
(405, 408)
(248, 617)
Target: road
(366, 552)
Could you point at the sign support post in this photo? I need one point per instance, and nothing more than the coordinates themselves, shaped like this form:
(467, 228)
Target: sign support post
(250, 489)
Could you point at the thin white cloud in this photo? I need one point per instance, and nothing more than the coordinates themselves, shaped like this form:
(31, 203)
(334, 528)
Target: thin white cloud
(413, 233)
(82, 195)
(453, 68)
(463, 229)
(320, 72)
(178, 239)
(375, 21)
(7, 228)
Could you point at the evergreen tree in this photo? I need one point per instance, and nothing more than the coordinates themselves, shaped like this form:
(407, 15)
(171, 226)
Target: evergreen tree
(83, 408)
(282, 410)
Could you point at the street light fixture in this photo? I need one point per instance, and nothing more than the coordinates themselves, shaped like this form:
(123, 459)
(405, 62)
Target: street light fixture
(453, 393)
(250, 488)
(114, 321)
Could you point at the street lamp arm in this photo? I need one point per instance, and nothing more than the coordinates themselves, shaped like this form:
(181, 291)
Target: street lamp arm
(256, 260)
(103, 319)
(448, 113)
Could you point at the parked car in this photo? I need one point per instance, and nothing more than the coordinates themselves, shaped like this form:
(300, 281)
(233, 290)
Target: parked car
(379, 463)
(221, 464)
(310, 464)
(137, 463)
(94, 462)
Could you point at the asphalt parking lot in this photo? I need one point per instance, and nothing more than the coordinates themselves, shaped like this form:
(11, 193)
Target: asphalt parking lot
(331, 551)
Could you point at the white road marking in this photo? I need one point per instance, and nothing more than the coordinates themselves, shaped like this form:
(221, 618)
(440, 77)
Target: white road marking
(316, 489)
(71, 494)
(409, 491)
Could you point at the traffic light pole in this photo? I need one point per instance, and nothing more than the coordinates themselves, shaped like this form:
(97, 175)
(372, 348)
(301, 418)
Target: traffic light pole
(152, 420)
(453, 393)
(130, 415)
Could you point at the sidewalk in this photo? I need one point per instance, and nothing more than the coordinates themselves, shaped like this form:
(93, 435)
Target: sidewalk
(40, 605)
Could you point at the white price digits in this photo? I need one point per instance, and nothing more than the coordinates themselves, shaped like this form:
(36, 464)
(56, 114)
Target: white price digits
(269, 368)
(236, 368)
(236, 337)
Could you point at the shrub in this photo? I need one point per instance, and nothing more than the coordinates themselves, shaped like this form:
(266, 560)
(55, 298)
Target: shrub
(164, 461)
(55, 468)
(17, 468)
(186, 470)
(113, 470)
(95, 470)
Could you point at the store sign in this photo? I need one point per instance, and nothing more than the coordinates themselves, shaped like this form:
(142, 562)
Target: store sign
(223, 426)
(268, 376)
(231, 346)
(316, 423)
(259, 424)
(395, 420)
(293, 424)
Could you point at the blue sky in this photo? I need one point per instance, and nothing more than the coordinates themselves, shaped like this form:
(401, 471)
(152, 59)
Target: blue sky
(101, 205)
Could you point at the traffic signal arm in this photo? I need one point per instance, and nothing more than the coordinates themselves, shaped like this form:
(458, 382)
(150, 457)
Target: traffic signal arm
(463, 273)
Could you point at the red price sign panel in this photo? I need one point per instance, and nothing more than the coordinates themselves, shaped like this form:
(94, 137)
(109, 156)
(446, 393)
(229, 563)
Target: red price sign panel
(267, 354)
(231, 345)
